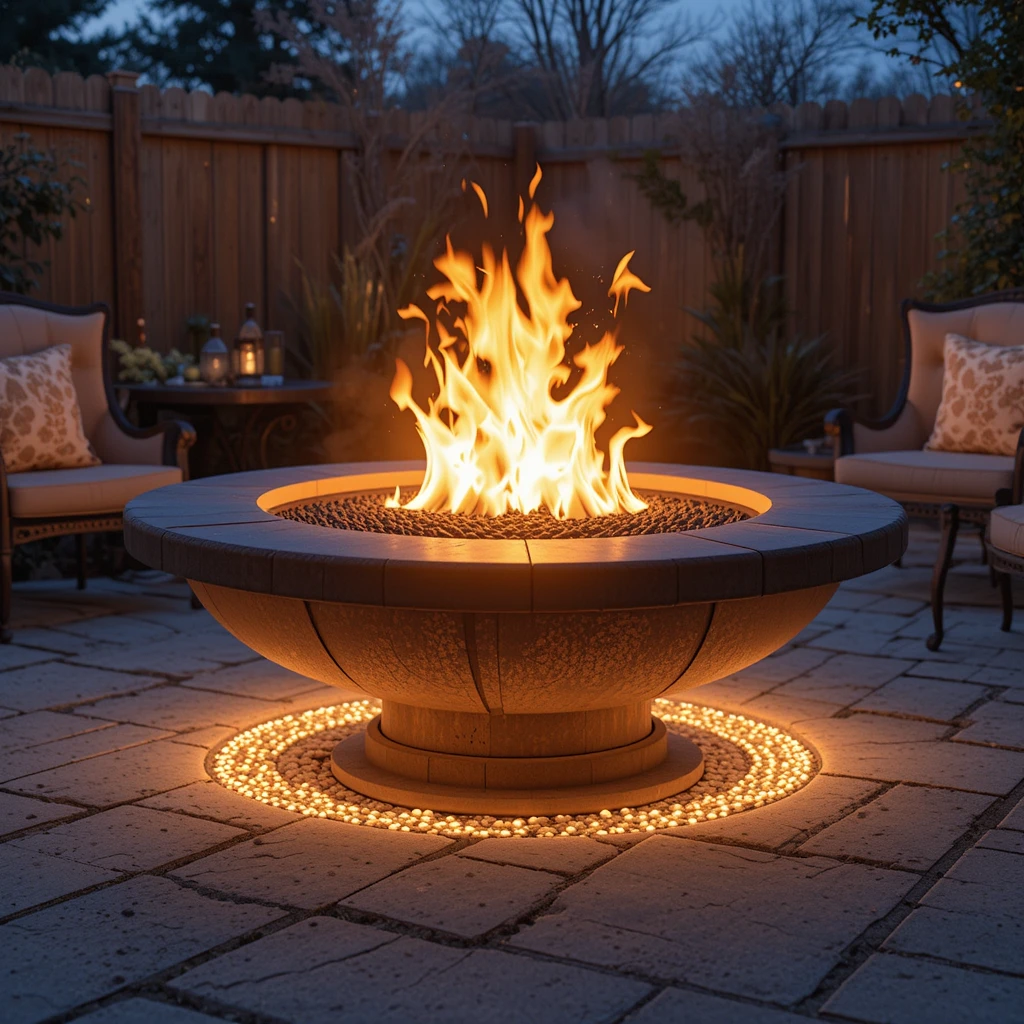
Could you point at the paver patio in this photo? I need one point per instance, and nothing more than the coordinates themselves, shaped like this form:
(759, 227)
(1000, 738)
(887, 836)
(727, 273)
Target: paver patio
(133, 888)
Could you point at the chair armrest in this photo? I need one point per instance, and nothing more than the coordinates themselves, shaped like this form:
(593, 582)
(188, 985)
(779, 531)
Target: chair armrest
(1017, 487)
(850, 434)
(120, 442)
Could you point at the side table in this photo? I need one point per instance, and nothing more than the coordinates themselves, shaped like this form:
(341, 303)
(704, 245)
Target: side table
(262, 411)
(795, 460)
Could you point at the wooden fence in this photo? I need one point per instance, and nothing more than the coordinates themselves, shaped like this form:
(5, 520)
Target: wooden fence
(200, 203)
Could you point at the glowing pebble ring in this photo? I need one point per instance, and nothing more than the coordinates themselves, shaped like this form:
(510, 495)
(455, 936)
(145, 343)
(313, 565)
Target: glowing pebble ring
(286, 763)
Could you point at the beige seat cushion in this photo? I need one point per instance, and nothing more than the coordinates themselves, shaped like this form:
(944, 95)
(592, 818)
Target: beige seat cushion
(982, 406)
(1006, 529)
(78, 492)
(40, 420)
(927, 476)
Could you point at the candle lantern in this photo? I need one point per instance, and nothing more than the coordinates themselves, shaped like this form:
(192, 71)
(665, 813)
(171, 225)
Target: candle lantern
(247, 356)
(214, 359)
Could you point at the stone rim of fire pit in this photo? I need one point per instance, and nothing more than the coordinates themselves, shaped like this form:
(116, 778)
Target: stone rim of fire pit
(802, 533)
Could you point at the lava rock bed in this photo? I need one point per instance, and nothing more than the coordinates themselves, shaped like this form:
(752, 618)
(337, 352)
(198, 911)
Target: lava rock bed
(367, 513)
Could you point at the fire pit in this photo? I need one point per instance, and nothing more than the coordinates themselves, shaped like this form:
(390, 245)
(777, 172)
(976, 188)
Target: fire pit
(516, 675)
(518, 601)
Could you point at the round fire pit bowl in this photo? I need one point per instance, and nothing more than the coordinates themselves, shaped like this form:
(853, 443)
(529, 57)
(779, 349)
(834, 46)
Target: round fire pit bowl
(515, 675)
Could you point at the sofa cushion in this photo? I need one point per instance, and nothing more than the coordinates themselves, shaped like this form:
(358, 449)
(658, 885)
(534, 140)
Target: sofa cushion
(40, 421)
(927, 476)
(78, 492)
(982, 407)
(1006, 529)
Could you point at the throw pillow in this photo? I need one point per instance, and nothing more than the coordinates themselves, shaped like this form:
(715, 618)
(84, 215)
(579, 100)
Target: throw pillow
(982, 408)
(40, 421)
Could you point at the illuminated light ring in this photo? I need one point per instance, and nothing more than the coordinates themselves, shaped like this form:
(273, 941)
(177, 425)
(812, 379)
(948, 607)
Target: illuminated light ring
(756, 764)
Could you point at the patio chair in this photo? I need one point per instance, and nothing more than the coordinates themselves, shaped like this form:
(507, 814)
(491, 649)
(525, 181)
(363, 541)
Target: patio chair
(888, 456)
(1004, 539)
(49, 503)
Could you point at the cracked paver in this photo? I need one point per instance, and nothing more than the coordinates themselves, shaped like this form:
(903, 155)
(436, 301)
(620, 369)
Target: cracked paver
(325, 971)
(731, 920)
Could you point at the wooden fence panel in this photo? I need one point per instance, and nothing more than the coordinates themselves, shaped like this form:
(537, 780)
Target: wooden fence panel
(235, 190)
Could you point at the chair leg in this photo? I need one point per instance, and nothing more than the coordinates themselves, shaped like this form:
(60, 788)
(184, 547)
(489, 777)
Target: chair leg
(984, 549)
(950, 520)
(1006, 593)
(5, 597)
(83, 560)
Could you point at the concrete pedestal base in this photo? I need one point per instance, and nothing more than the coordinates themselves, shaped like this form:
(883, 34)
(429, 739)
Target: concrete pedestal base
(653, 768)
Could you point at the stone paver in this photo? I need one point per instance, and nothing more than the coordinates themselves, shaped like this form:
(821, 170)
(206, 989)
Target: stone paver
(844, 679)
(908, 827)
(200, 652)
(905, 750)
(129, 838)
(21, 812)
(781, 668)
(973, 915)
(120, 629)
(309, 864)
(28, 878)
(210, 800)
(137, 1011)
(56, 683)
(564, 856)
(1015, 819)
(178, 707)
(124, 775)
(732, 920)
(1005, 839)
(788, 821)
(900, 990)
(457, 895)
(13, 656)
(922, 698)
(24, 731)
(262, 679)
(325, 971)
(675, 1006)
(996, 723)
(15, 767)
(81, 950)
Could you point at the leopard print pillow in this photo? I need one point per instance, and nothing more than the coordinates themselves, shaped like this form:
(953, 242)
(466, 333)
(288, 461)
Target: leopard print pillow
(982, 407)
(40, 422)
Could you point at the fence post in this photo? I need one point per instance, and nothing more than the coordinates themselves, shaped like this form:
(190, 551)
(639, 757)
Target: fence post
(525, 155)
(125, 162)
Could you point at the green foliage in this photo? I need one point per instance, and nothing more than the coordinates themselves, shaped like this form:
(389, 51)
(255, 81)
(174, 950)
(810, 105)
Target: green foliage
(758, 394)
(345, 320)
(48, 34)
(141, 365)
(34, 195)
(755, 388)
(666, 195)
(217, 43)
(977, 46)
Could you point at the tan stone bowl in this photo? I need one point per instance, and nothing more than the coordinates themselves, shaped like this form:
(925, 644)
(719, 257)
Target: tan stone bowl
(516, 676)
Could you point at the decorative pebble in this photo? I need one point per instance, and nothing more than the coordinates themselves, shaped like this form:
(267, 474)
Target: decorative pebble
(287, 763)
(665, 513)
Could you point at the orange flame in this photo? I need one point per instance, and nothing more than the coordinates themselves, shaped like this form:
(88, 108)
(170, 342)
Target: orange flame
(495, 437)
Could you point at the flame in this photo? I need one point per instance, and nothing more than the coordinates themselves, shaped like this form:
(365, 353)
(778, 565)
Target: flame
(495, 436)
